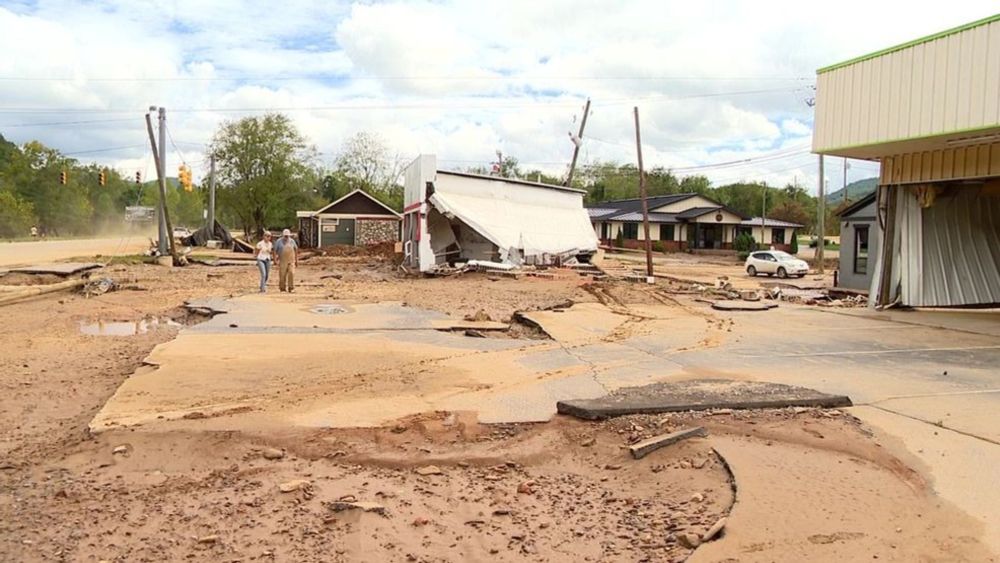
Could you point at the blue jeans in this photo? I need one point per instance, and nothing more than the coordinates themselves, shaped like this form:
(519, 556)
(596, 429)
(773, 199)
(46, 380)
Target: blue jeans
(265, 272)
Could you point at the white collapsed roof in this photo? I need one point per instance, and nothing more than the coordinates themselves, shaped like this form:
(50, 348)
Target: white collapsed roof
(532, 219)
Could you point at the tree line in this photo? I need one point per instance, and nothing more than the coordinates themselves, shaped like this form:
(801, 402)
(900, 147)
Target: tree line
(267, 170)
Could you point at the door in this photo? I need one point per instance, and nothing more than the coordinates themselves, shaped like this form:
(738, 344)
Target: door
(605, 232)
(337, 231)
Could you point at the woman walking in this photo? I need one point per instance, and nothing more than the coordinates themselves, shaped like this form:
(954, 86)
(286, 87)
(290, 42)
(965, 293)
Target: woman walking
(265, 250)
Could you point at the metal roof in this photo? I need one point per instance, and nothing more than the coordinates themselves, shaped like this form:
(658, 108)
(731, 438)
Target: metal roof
(857, 205)
(695, 212)
(511, 181)
(755, 222)
(653, 217)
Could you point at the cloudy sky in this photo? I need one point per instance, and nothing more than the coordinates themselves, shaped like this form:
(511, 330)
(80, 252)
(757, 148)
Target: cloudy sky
(715, 82)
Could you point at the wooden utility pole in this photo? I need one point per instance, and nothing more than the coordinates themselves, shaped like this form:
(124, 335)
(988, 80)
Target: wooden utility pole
(645, 206)
(577, 142)
(211, 195)
(821, 220)
(161, 171)
(847, 165)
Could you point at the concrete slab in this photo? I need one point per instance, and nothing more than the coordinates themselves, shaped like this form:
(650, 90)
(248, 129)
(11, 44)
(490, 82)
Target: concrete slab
(580, 323)
(696, 395)
(57, 268)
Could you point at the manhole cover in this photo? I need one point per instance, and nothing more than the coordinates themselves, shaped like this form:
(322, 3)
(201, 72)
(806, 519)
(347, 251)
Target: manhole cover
(328, 309)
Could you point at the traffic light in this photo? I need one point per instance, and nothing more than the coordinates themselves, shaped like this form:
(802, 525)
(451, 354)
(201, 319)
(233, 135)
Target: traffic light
(63, 178)
(138, 178)
(184, 175)
(102, 178)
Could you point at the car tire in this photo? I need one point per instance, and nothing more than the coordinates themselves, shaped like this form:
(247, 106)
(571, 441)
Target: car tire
(782, 273)
(751, 271)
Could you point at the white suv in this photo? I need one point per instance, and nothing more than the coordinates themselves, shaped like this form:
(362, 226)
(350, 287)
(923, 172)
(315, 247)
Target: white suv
(775, 262)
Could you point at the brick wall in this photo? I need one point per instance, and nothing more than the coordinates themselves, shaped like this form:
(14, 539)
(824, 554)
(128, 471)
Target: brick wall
(374, 231)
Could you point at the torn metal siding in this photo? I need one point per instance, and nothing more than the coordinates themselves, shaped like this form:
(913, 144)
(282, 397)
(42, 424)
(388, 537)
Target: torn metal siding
(946, 254)
(961, 250)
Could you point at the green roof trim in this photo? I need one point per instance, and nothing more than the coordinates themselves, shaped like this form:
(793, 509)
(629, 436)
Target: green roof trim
(987, 129)
(985, 21)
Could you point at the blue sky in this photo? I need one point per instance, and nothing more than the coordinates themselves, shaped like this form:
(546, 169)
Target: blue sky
(715, 82)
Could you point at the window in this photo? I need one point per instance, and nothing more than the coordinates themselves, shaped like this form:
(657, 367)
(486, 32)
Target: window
(764, 256)
(860, 249)
(666, 232)
(630, 231)
(777, 236)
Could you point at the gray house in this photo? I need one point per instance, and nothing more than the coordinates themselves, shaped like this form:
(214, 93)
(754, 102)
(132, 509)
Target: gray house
(859, 244)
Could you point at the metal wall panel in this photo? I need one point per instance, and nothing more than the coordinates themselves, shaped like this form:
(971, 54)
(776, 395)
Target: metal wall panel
(945, 85)
(961, 250)
(959, 163)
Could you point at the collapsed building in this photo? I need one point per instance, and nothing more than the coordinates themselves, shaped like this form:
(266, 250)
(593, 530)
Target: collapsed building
(456, 217)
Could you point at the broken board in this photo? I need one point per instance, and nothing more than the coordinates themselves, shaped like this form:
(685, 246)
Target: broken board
(699, 395)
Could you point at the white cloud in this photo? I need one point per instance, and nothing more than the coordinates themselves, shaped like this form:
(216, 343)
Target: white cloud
(714, 81)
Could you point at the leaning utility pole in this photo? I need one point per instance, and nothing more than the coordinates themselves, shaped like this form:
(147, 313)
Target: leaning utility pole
(645, 205)
(821, 241)
(577, 142)
(211, 195)
(160, 157)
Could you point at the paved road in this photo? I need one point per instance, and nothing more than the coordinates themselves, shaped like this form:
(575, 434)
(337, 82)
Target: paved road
(34, 252)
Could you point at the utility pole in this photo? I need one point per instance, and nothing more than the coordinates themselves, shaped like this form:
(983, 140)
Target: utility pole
(160, 157)
(846, 166)
(821, 241)
(577, 142)
(211, 195)
(763, 212)
(645, 205)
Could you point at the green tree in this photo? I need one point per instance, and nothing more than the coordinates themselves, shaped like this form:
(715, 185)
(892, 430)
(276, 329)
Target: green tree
(365, 163)
(16, 216)
(266, 171)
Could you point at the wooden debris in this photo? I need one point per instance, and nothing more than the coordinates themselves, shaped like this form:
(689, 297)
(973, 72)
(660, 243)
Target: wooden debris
(642, 449)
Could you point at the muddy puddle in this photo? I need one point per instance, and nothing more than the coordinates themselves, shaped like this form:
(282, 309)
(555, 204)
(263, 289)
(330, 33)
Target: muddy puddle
(127, 328)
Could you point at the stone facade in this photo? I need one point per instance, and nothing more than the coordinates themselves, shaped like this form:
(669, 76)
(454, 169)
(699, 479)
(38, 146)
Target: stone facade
(375, 231)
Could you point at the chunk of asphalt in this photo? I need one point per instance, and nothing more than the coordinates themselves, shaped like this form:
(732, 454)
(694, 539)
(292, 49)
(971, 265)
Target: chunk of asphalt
(743, 305)
(642, 449)
(699, 395)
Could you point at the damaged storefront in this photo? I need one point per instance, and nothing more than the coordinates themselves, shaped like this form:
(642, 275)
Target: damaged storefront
(453, 218)
(929, 112)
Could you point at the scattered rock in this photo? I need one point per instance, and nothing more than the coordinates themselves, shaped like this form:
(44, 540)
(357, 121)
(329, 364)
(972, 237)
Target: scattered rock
(479, 317)
(420, 521)
(295, 485)
(714, 530)
(428, 470)
(588, 442)
(689, 540)
(273, 453)
(339, 506)
(120, 450)
(612, 467)
(208, 539)
(475, 333)
(526, 488)
(697, 497)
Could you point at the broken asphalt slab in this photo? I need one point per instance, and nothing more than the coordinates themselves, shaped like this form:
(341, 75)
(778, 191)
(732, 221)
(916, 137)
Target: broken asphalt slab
(699, 395)
(58, 268)
(742, 305)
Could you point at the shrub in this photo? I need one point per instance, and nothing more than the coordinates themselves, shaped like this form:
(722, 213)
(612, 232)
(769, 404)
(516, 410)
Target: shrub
(745, 243)
(742, 256)
(795, 243)
(658, 246)
(620, 239)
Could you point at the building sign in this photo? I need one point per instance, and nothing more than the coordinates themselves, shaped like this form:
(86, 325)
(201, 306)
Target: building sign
(329, 228)
(718, 217)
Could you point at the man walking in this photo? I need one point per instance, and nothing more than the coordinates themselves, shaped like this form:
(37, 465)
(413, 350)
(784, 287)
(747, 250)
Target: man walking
(288, 259)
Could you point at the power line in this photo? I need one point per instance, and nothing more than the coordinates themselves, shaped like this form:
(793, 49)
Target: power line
(109, 149)
(534, 103)
(511, 78)
(61, 123)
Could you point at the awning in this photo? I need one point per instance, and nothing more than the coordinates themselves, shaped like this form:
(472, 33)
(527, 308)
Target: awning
(529, 220)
